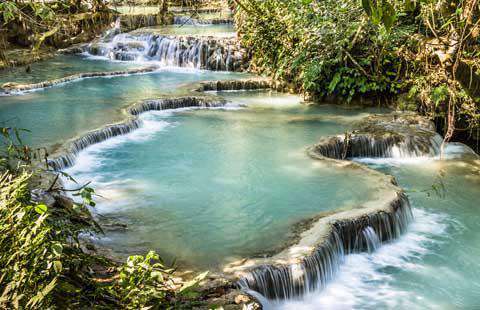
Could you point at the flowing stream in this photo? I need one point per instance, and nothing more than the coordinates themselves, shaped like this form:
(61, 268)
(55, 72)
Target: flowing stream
(434, 265)
(211, 186)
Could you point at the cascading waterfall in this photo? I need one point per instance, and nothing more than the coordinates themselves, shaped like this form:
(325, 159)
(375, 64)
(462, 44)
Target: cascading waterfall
(381, 136)
(315, 271)
(372, 240)
(175, 103)
(369, 145)
(220, 54)
(68, 158)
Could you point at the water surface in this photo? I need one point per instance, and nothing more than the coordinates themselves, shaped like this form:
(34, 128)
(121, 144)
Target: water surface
(435, 265)
(58, 67)
(65, 111)
(210, 186)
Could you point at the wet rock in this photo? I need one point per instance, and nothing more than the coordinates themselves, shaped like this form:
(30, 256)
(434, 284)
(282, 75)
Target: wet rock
(392, 135)
(245, 84)
(209, 53)
(42, 196)
(76, 49)
(219, 291)
(242, 299)
(112, 224)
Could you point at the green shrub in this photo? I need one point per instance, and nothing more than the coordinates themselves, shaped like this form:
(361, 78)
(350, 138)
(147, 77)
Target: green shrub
(39, 244)
(324, 47)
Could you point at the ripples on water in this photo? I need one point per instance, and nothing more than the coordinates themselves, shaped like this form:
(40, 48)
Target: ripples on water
(365, 281)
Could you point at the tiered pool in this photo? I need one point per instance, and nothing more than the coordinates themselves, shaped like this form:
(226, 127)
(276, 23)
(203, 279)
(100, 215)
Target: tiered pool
(62, 112)
(435, 265)
(209, 186)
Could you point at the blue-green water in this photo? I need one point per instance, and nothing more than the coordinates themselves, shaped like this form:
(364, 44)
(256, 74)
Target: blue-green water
(210, 186)
(65, 111)
(59, 66)
(435, 265)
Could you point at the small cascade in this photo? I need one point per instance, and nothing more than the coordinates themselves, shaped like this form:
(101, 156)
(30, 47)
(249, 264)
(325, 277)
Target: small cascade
(384, 146)
(116, 29)
(175, 103)
(284, 282)
(187, 20)
(68, 159)
(14, 88)
(312, 274)
(371, 239)
(221, 54)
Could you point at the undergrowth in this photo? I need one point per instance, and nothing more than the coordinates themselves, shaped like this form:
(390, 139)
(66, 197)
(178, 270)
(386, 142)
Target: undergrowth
(43, 260)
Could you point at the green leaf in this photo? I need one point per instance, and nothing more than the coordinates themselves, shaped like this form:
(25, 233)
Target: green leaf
(157, 276)
(367, 7)
(57, 266)
(389, 16)
(57, 249)
(41, 209)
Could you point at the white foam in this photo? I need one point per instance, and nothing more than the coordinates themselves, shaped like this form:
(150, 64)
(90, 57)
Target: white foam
(362, 281)
(91, 158)
(455, 150)
(395, 161)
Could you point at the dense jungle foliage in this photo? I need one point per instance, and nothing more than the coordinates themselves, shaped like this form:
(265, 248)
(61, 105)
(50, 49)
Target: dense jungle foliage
(44, 262)
(427, 51)
(40, 26)
(32, 23)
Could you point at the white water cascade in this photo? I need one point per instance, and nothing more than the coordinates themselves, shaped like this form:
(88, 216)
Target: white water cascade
(270, 283)
(220, 54)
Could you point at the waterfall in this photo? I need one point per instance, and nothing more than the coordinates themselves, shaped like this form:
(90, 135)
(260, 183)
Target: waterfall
(208, 53)
(226, 85)
(370, 145)
(313, 272)
(371, 238)
(76, 146)
(188, 20)
(11, 88)
(175, 103)
(68, 159)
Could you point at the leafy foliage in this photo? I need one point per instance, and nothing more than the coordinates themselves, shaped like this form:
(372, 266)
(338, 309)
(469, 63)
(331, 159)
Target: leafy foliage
(33, 23)
(146, 281)
(324, 47)
(372, 48)
(40, 244)
(42, 263)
